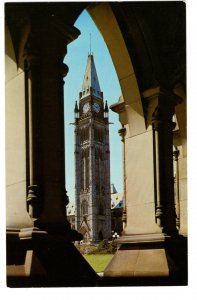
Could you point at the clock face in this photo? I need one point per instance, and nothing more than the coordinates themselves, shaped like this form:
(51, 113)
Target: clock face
(86, 107)
(96, 107)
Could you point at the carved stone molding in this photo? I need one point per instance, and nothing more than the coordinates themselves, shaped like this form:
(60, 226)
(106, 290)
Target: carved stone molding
(176, 153)
(32, 201)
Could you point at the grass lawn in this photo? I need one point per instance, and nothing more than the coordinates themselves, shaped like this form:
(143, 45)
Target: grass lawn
(98, 261)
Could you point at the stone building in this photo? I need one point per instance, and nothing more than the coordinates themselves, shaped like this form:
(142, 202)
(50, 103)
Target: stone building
(116, 212)
(146, 41)
(92, 159)
(70, 212)
(117, 204)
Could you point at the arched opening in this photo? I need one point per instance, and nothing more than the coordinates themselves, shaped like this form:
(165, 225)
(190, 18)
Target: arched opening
(100, 235)
(136, 112)
(110, 85)
(84, 209)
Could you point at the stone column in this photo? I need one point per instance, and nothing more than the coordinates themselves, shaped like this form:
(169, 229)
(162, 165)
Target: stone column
(122, 133)
(15, 143)
(33, 100)
(44, 53)
(46, 253)
(177, 200)
(53, 39)
(163, 167)
(163, 163)
(149, 243)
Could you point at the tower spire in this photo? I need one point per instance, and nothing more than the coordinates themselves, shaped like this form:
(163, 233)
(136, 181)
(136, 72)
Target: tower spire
(90, 84)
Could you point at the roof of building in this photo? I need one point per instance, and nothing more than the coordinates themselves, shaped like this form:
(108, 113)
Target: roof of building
(116, 200)
(70, 208)
(90, 84)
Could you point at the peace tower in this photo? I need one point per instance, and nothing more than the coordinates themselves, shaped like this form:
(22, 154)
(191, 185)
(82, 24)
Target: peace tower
(92, 159)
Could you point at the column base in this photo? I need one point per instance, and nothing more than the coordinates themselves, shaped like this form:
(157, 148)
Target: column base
(154, 255)
(37, 258)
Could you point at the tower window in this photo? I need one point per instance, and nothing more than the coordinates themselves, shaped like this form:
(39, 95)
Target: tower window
(84, 208)
(101, 210)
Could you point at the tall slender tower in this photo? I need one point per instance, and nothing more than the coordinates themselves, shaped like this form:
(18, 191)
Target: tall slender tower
(92, 159)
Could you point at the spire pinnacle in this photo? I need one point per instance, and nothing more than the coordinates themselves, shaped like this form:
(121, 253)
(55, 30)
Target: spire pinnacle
(76, 110)
(106, 107)
(76, 107)
(106, 110)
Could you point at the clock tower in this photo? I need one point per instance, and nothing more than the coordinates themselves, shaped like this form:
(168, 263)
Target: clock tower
(92, 160)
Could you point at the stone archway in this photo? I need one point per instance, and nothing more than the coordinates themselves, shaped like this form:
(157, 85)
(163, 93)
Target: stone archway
(54, 27)
(106, 22)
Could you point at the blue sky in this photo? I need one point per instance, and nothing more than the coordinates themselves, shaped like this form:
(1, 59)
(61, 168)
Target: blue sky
(76, 60)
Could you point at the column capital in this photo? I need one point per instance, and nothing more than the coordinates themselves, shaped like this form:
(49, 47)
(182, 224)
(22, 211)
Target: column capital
(31, 55)
(121, 109)
(160, 93)
(156, 118)
(159, 104)
(49, 37)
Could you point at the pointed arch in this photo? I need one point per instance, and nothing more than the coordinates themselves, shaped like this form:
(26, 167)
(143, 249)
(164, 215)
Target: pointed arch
(105, 20)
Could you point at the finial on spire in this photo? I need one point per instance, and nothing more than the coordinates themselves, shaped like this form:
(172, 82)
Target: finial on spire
(106, 107)
(90, 43)
(76, 110)
(106, 110)
(76, 107)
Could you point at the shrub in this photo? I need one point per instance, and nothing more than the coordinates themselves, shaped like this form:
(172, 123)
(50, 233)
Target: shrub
(104, 247)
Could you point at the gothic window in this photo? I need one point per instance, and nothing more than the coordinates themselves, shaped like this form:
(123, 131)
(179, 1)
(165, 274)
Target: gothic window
(87, 170)
(97, 134)
(87, 133)
(97, 170)
(81, 135)
(82, 173)
(84, 134)
(101, 211)
(102, 135)
(100, 235)
(84, 208)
